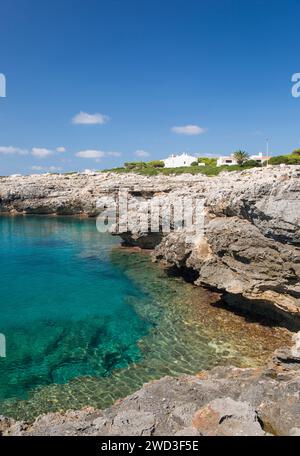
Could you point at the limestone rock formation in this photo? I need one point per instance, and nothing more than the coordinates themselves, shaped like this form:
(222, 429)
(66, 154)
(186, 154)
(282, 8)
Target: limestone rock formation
(251, 244)
(235, 257)
(225, 401)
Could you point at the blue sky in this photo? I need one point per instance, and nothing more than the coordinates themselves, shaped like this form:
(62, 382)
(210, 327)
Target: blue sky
(145, 67)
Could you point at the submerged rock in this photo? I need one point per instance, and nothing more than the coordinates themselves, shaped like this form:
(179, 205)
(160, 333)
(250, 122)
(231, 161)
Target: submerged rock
(250, 250)
(225, 401)
(251, 246)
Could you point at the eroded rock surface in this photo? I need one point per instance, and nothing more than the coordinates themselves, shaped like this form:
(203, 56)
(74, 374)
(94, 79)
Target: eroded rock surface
(235, 257)
(251, 244)
(225, 401)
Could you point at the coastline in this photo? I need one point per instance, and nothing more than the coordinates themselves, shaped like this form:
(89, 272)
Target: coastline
(250, 251)
(225, 401)
(234, 304)
(149, 224)
(189, 331)
(259, 232)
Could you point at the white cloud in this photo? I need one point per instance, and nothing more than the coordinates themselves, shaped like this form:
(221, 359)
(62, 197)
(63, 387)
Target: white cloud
(46, 168)
(10, 150)
(40, 152)
(96, 154)
(61, 149)
(113, 154)
(85, 118)
(142, 153)
(90, 153)
(189, 130)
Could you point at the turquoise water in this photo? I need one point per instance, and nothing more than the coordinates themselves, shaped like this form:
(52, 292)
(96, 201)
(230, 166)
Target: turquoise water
(87, 323)
(65, 308)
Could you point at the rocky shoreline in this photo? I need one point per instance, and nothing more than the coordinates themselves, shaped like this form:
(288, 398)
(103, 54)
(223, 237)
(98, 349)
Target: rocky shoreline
(225, 401)
(250, 252)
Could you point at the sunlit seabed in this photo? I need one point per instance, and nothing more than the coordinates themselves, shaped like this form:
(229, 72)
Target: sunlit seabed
(87, 323)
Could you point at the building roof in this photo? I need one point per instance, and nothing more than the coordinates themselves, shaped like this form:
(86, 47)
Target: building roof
(184, 154)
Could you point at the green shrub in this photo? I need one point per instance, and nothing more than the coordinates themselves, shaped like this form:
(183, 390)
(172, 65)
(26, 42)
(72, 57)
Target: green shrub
(115, 170)
(208, 161)
(294, 160)
(291, 159)
(156, 164)
(135, 165)
(279, 160)
(130, 165)
(251, 164)
(296, 152)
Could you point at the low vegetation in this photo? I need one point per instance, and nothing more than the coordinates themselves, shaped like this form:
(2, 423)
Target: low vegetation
(209, 170)
(290, 159)
(156, 167)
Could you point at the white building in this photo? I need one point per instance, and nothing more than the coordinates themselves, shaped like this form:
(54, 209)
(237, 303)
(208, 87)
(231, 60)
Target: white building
(89, 172)
(230, 160)
(259, 158)
(226, 160)
(175, 161)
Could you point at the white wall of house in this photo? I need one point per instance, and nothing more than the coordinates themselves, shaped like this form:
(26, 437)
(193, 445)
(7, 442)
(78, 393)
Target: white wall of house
(260, 158)
(88, 172)
(230, 160)
(226, 160)
(175, 161)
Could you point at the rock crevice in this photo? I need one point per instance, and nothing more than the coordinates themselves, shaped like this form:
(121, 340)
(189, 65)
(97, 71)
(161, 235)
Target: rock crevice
(250, 247)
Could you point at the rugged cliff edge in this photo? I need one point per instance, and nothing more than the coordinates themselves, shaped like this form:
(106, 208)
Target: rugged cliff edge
(250, 249)
(225, 401)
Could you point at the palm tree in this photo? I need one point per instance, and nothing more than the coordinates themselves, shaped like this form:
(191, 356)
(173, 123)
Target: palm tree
(241, 157)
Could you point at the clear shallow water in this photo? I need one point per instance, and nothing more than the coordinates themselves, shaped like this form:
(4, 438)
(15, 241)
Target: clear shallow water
(64, 308)
(87, 322)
